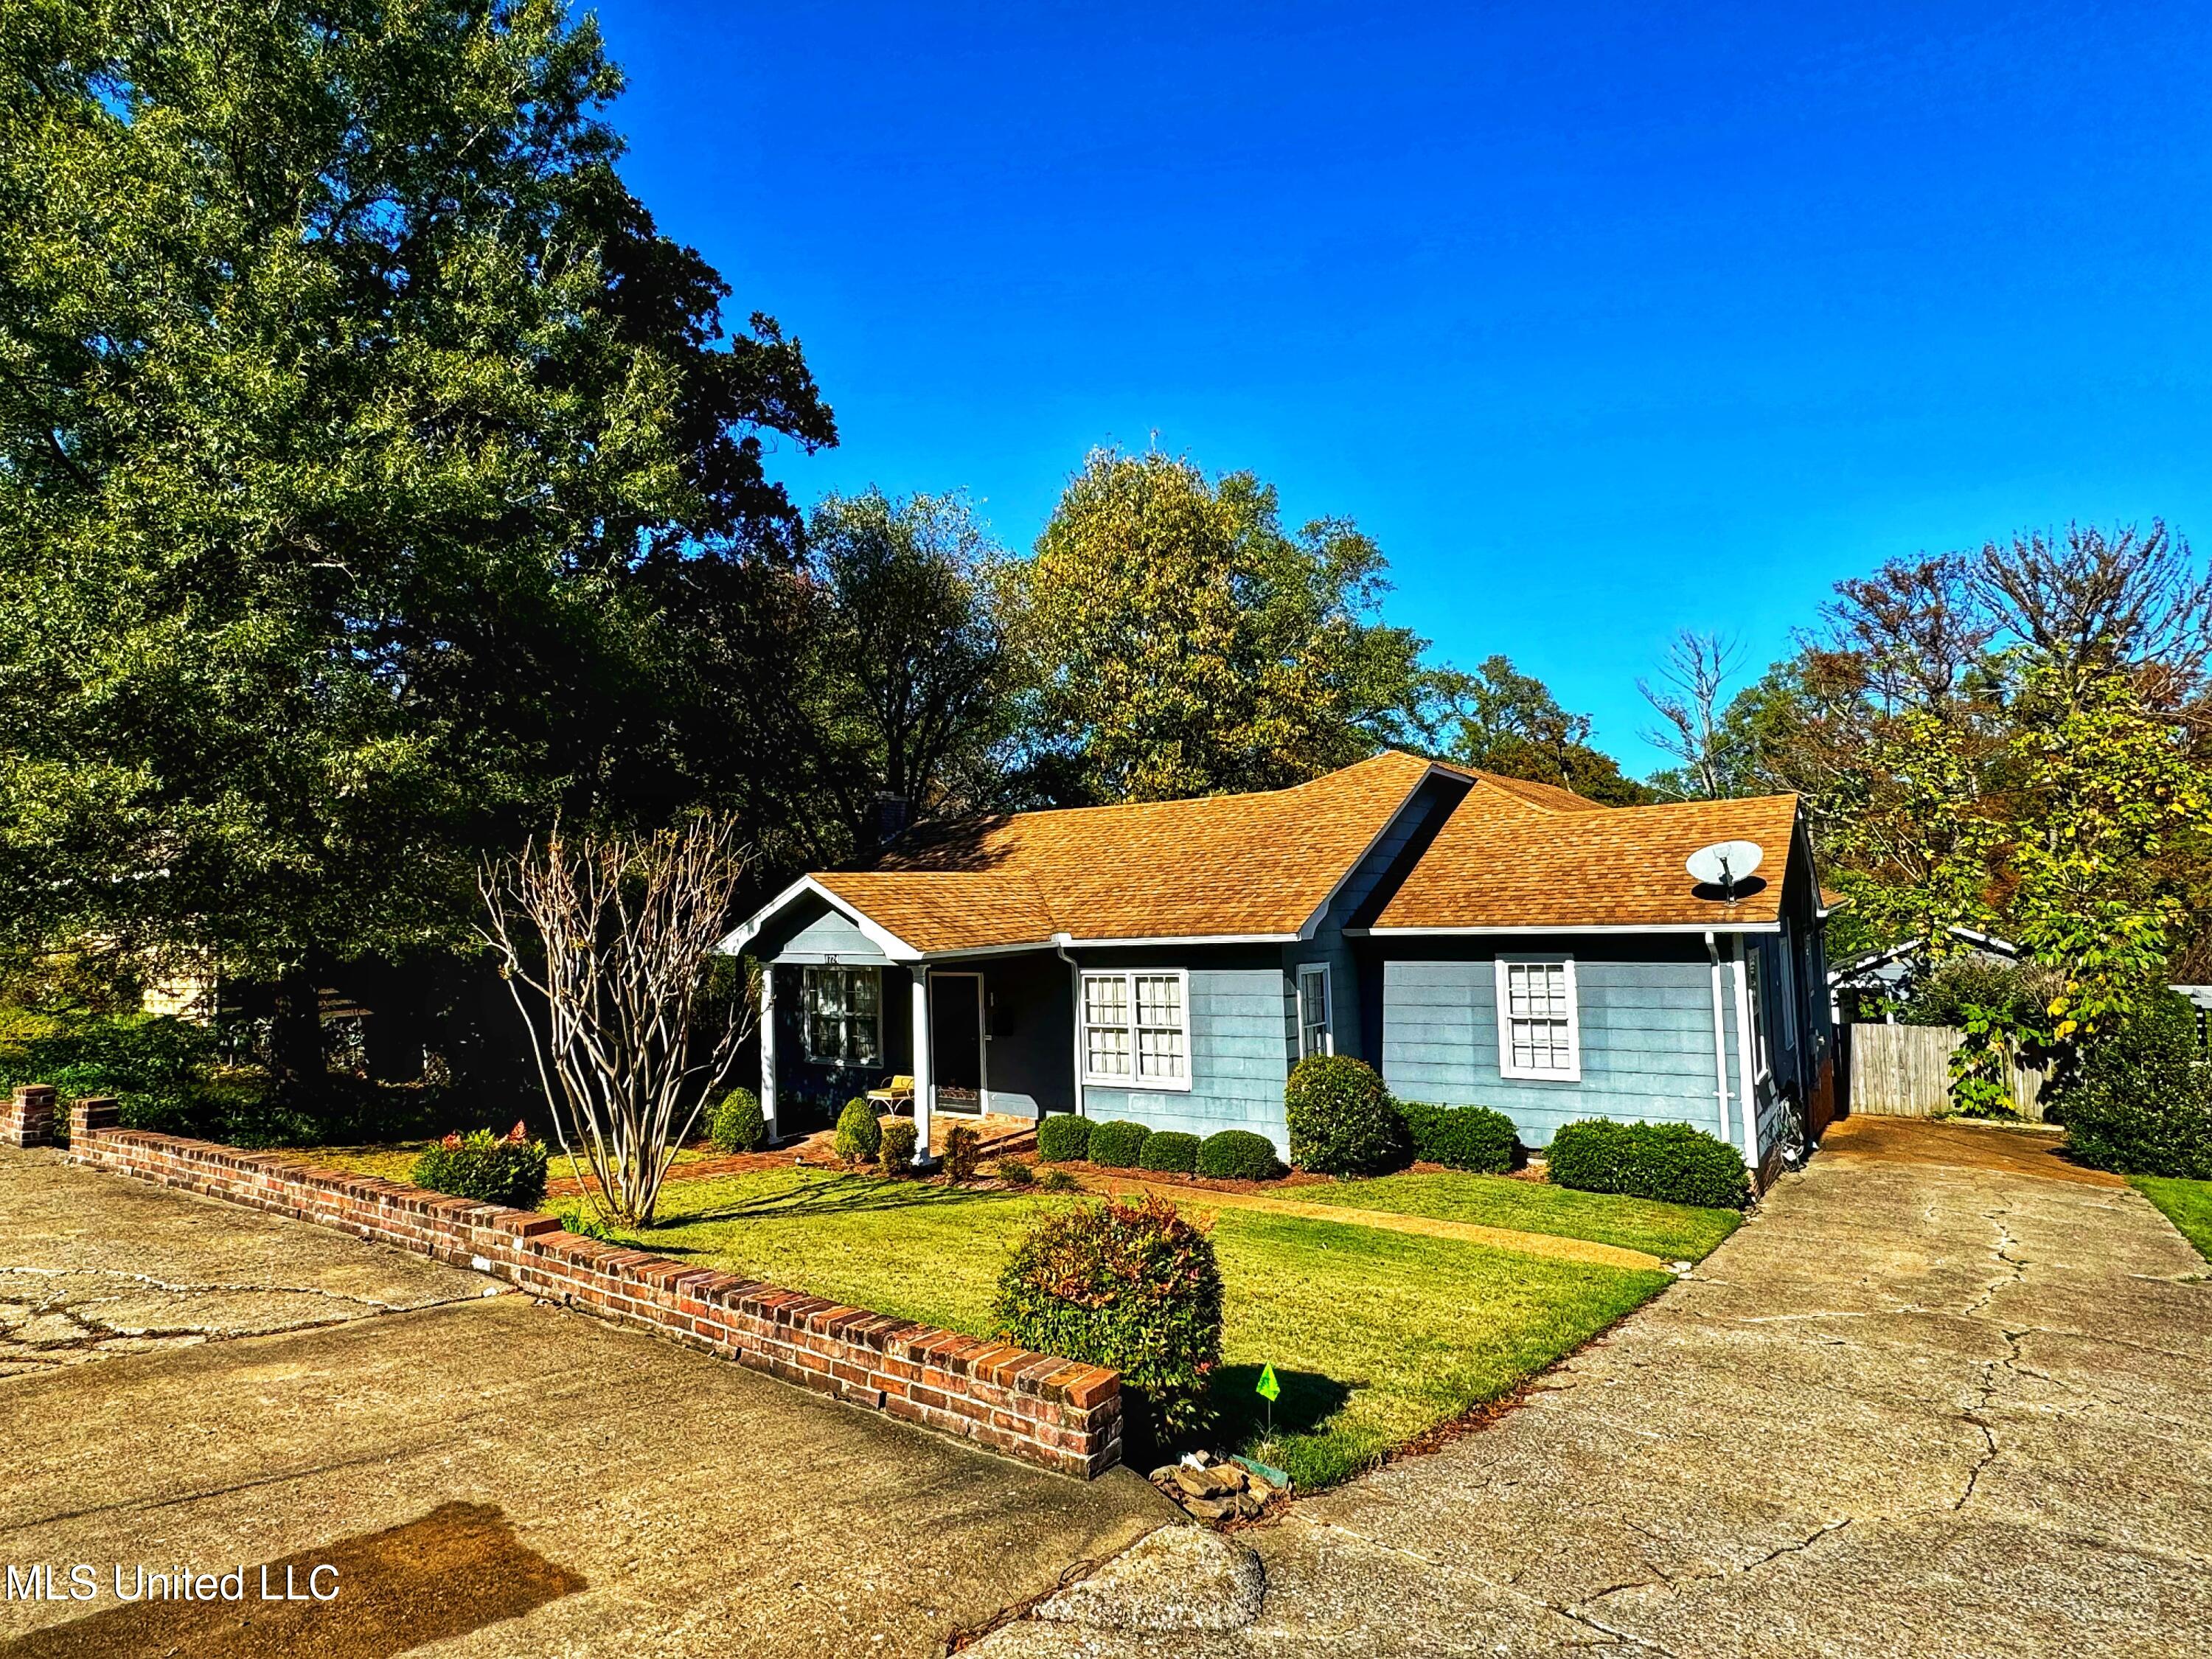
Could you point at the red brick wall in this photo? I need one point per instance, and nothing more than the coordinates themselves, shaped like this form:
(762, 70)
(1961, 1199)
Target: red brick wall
(1064, 1416)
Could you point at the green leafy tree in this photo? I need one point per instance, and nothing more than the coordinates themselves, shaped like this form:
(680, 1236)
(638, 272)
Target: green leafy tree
(918, 681)
(1503, 721)
(1184, 643)
(360, 438)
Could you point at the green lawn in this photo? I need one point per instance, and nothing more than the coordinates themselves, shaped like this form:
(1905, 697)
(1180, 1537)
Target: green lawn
(2187, 1204)
(1673, 1232)
(1374, 1336)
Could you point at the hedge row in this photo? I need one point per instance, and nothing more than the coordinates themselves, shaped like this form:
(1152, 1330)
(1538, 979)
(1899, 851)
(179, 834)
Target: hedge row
(1231, 1155)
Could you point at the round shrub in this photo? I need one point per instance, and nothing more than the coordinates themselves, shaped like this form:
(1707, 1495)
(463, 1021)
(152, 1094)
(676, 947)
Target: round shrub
(1462, 1137)
(736, 1124)
(1672, 1163)
(1341, 1118)
(860, 1132)
(1013, 1172)
(1171, 1151)
(1063, 1138)
(2142, 1103)
(897, 1147)
(962, 1146)
(491, 1169)
(1131, 1285)
(1238, 1155)
(1057, 1180)
(1118, 1145)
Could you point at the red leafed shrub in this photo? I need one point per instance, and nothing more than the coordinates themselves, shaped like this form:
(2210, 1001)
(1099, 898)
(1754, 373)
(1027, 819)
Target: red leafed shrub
(1133, 1286)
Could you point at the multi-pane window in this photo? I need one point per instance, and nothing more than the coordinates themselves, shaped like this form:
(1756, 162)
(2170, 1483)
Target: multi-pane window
(844, 1016)
(1314, 1035)
(1136, 1029)
(1536, 1024)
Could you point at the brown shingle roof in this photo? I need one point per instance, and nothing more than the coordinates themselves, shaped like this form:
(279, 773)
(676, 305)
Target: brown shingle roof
(945, 910)
(1621, 867)
(1221, 864)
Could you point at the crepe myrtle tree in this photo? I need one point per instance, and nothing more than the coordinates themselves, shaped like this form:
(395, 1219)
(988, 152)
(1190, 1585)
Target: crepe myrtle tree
(606, 942)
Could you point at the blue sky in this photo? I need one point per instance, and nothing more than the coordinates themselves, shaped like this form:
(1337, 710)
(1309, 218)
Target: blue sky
(1605, 320)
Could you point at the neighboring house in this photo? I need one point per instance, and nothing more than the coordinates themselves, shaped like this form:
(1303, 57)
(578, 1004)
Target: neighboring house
(1480, 940)
(1870, 988)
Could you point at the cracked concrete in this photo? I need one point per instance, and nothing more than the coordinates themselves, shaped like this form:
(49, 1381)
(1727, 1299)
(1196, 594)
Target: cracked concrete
(1938, 1397)
(195, 1383)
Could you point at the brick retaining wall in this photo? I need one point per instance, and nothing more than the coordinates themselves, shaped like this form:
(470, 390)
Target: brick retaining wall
(1046, 1410)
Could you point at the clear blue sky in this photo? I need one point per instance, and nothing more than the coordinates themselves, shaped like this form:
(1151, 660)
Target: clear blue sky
(1606, 320)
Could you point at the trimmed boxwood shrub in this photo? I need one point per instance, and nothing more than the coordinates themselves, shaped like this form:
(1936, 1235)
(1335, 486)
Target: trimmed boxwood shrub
(961, 1147)
(1238, 1155)
(860, 1132)
(1670, 1162)
(1341, 1118)
(1118, 1145)
(1462, 1137)
(736, 1124)
(491, 1169)
(1063, 1138)
(1170, 1150)
(1130, 1285)
(897, 1145)
(2142, 1103)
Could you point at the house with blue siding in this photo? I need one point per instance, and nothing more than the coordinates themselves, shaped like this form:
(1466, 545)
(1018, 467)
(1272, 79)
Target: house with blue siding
(1481, 941)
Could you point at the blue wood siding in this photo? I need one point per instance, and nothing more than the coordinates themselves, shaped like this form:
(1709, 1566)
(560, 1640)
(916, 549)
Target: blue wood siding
(829, 936)
(1356, 1024)
(1238, 1064)
(1646, 1036)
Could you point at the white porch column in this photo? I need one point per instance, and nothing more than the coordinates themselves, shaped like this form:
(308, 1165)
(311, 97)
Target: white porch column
(922, 1069)
(767, 1048)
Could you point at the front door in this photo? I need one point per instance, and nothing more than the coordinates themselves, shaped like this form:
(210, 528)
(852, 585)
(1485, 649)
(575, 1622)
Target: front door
(955, 1041)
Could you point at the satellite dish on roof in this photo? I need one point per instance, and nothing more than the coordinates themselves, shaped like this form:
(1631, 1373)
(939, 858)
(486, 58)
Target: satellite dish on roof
(1725, 864)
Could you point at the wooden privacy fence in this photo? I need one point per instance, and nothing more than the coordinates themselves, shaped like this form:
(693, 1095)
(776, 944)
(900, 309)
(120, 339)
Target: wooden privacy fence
(1904, 1071)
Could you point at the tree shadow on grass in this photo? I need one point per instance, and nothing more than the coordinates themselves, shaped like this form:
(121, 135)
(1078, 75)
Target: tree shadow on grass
(844, 1194)
(1241, 1417)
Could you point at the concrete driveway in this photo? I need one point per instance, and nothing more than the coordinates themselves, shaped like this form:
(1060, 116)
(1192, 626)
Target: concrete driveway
(1943, 1395)
(184, 1382)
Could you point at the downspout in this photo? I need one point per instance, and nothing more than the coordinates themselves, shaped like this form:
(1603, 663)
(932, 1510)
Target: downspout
(1744, 1016)
(1720, 1035)
(1060, 944)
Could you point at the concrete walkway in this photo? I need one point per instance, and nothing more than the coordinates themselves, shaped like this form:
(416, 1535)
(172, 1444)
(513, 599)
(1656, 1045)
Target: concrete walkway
(1930, 1400)
(185, 1383)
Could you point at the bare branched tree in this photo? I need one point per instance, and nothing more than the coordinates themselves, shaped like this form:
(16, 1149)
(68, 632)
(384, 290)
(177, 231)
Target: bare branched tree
(1688, 699)
(629, 1037)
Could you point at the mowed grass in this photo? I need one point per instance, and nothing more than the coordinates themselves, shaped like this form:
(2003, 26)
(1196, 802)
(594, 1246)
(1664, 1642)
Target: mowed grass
(1374, 1336)
(2186, 1204)
(1673, 1232)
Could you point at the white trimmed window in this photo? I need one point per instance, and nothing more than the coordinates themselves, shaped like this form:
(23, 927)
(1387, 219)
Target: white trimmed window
(844, 1020)
(1538, 1029)
(1316, 1036)
(1136, 1029)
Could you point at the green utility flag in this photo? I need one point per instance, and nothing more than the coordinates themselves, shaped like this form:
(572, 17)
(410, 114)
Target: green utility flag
(1268, 1389)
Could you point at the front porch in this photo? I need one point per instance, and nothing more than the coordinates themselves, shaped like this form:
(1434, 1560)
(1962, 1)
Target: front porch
(988, 1042)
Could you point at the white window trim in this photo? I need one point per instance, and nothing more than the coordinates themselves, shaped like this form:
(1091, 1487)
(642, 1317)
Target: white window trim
(1132, 1083)
(1316, 970)
(806, 1017)
(1573, 1073)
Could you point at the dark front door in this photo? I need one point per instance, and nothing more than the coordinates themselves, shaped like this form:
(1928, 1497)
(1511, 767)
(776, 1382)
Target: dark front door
(956, 1040)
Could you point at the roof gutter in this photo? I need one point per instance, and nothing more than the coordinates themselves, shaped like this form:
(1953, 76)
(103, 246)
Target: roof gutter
(1705, 927)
